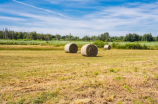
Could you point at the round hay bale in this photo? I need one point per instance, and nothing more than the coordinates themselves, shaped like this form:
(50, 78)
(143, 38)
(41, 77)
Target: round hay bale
(107, 47)
(89, 50)
(71, 48)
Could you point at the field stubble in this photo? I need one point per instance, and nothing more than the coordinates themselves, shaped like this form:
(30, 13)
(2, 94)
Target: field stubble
(53, 76)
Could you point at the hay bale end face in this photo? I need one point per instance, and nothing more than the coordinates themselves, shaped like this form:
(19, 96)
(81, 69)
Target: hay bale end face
(71, 48)
(107, 47)
(89, 50)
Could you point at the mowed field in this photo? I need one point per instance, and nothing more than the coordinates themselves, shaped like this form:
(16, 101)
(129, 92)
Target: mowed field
(53, 76)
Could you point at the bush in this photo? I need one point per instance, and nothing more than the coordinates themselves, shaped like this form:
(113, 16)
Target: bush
(99, 43)
(114, 45)
(128, 46)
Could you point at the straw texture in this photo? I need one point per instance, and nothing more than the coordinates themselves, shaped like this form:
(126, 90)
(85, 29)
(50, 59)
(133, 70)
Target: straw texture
(107, 47)
(89, 50)
(71, 48)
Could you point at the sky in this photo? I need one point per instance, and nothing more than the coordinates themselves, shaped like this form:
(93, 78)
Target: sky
(80, 17)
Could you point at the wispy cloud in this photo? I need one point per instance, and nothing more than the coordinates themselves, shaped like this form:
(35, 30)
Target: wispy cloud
(127, 18)
(5, 18)
(74, 3)
(68, 1)
(39, 8)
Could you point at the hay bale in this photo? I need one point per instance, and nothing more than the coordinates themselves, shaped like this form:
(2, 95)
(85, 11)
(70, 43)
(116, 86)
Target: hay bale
(107, 47)
(71, 48)
(89, 50)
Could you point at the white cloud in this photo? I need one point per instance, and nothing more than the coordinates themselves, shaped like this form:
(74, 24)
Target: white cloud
(39, 8)
(5, 18)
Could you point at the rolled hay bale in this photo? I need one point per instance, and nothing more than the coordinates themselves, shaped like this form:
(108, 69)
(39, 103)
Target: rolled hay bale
(89, 50)
(107, 47)
(71, 48)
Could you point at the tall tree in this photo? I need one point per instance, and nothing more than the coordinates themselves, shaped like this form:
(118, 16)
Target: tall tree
(86, 38)
(6, 33)
(57, 36)
(1, 34)
(33, 35)
(104, 36)
(20, 35)
(94, 38)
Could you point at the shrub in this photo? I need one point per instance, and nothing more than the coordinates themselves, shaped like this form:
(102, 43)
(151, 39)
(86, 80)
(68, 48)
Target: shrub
(99, 43)
(128, 46)
(114, 45)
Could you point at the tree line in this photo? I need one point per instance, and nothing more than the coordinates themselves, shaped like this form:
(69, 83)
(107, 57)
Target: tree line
(7, 34)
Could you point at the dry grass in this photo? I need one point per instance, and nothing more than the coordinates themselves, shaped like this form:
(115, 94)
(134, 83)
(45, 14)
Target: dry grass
(114, 77)
(29, 47)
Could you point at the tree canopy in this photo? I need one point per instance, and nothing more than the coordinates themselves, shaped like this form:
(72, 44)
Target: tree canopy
(7, 34)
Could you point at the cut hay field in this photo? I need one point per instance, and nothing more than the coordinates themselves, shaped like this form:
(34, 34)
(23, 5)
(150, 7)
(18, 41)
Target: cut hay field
(53, 76)
(37, 42)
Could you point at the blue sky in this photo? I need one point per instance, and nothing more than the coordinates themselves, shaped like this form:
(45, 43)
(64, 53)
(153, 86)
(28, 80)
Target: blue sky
(80, 17)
